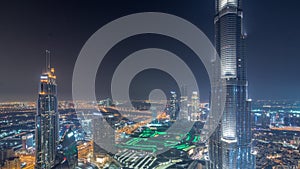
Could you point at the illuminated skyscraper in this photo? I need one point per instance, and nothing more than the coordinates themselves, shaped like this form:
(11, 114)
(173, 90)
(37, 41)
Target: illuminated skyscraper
(184, 103)
(46, 120)
(230, 145)
(173, 106)
(195, 102)
(195, 114)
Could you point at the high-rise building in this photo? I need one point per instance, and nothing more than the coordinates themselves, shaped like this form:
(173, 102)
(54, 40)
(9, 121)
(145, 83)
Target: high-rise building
(230, 145)
(47, 127)
(173, 106)
(195, 113)
(183, 114)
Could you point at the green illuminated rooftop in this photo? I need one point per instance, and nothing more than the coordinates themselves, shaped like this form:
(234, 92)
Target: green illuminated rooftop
(151, 140)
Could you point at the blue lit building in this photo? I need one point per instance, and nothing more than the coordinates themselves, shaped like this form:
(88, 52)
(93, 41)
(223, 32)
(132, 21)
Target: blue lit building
(47, 126)
(230, 145)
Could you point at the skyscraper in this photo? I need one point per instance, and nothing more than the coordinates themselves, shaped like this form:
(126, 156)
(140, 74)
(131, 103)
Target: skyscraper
(195, 103)
(183, 114)
(47, 127)
(173, 106)
(230, 145)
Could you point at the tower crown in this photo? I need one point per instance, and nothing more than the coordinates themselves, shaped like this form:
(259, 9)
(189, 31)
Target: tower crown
(47, 79)
(221, 4)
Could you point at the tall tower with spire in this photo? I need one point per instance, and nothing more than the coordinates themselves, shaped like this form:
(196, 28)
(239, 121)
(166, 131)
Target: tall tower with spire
(46, 120)
(230, 145)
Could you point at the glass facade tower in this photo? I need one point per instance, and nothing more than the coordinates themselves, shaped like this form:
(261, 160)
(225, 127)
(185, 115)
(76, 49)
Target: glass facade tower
(230, 145)
(46, 120)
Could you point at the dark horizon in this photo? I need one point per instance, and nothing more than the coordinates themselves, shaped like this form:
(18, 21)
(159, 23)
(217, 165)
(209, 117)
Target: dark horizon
(29, 28)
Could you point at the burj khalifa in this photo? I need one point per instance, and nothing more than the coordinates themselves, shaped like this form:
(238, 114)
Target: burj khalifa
(230, 145)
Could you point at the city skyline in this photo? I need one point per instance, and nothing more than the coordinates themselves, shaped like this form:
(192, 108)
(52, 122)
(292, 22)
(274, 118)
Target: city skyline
(159, 85)
(34, 27)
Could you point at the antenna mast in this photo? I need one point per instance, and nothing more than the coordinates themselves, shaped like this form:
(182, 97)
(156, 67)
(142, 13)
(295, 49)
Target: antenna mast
(48, 58)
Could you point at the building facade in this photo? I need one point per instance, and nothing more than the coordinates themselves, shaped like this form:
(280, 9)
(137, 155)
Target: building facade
(230, 145)
(68, 152)
(47, 120)
(173, 107)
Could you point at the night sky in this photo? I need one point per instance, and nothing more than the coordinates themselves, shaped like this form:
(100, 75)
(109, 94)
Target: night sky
(29, 27)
